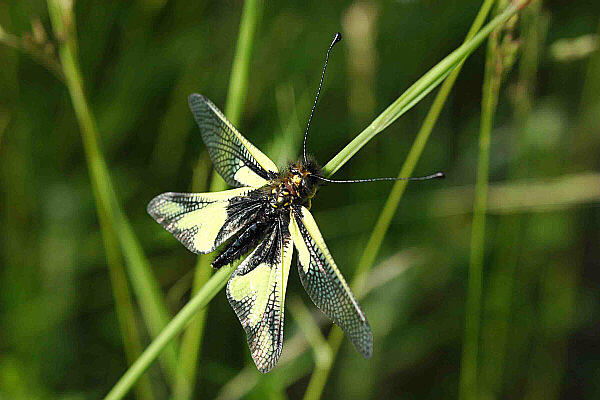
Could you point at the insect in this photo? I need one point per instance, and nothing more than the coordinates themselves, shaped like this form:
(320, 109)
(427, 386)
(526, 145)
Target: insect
(264, 217)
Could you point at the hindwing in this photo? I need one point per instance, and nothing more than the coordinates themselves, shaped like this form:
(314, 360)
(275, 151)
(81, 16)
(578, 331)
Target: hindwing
(256, 291)
(324, 282)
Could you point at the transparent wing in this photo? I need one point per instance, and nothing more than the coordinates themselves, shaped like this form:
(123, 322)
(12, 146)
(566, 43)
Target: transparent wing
(256, 291)
(234, 157)
(203, 221)
(325, 284)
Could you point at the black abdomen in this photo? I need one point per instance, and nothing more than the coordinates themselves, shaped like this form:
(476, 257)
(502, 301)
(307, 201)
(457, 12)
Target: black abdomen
(242, 243)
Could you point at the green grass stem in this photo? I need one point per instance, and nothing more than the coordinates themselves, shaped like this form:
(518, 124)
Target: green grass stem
(191, 342)
(417, 91)
(310, 329)
(292, 362)
(236, 95)
(174, 328)
(111, 216)
(498, 300)
(132, 341)
(469, 387)
(319, 378)
(219, 279)
(238, 81)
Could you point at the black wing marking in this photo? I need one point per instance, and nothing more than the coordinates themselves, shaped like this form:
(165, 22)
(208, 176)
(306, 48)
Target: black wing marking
(256, 292)
(203, 221)
(238, 161)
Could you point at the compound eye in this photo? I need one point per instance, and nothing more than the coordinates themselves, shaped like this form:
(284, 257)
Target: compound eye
(309, 188)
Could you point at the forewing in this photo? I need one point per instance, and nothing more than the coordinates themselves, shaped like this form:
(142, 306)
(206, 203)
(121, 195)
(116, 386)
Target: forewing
(325, 284)
(203, 221)
(234, 157)
(256, 291)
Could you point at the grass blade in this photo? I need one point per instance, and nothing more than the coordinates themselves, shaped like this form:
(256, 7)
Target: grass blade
(218, 280)
(496, 322)
(124, 307)
(417, 91)
(238, 81)
(146, 287)
(319, 378)
(177, 324)
(491, 85)
(310, 329)
(236, 96)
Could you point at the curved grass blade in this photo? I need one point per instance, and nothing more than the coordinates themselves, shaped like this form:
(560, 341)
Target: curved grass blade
(417, 91)
(146, 287)
(469, 372)
(174, 328)
(187, 373)
(319, 377)
(218, 280)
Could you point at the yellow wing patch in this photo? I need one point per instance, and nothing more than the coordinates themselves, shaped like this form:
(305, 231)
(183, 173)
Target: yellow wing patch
(249, 177)
(256, 292)
(262, 159)
(255, 285)
(237, 160)
(324, 282)
(198, 220)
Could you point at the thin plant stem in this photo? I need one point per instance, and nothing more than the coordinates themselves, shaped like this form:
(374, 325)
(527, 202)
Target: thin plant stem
(238, 82)
(469, 387)
(45, 60)
(192, 339)
(498, 301)
(417, 91)
(144, 284)
(310, 329)
(293, 367)
(393, 200)
(218, 280)
(124, 307)
(174, 328)
(521, 197)
(319, 378)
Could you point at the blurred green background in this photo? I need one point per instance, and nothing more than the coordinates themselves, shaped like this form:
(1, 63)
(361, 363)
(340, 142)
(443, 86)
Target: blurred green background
(60, 334)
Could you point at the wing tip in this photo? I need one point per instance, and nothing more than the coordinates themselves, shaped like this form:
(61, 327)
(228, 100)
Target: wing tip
(367, 352)
(155, 203)
(266, 365)
(263, 369)
(194, 97)
(362, 340)
(152, 204)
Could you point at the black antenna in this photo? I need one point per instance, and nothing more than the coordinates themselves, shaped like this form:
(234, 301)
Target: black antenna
(437, 175)
(336, 38)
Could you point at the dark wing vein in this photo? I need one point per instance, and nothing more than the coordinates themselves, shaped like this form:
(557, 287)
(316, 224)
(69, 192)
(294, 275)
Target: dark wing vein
(256, 292)
(325, 284)
(203, 221)
(235, 158)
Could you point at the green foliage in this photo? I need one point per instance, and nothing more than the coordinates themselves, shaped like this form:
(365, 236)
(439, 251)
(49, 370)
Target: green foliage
(84, 272)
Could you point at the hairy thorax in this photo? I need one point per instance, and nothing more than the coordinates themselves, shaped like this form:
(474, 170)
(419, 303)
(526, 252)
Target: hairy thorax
(296, 186)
